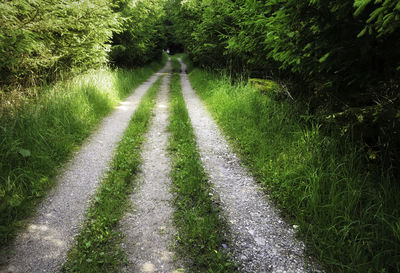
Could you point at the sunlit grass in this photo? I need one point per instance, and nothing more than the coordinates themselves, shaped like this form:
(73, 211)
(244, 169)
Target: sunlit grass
(38, 135)
(347, 211)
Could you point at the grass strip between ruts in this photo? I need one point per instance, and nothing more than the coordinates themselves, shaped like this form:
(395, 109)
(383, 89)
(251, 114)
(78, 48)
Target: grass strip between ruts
(199, 227)
(98, 244)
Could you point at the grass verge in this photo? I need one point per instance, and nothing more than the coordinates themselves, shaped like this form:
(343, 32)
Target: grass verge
(347, 209)
(98, 244)
(39, 134)
(200, 229)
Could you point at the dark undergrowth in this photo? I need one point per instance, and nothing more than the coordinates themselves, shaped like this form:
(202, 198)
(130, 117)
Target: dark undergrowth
(200, 229)
(39, 134)
(98, 244)
(346, 206)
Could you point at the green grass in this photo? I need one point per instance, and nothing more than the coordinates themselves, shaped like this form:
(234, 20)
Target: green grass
(98, 244)
(347, 208)
(39, 134)
(200, 229)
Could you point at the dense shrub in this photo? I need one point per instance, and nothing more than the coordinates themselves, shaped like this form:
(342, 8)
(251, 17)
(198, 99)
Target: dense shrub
(338, 58)
(143, 37)
(42, 39)
(327, 43)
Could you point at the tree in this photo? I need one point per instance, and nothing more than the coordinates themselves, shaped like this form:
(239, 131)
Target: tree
(42, 39)
(143, 37)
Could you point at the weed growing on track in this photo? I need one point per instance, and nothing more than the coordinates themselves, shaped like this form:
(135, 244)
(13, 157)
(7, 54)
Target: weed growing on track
(98, 245)
(38, 135)
(200, 229)
(348, 214)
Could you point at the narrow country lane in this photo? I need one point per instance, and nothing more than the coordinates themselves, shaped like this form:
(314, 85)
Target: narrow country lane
(261, 240)
(43, 246)
(148, 226)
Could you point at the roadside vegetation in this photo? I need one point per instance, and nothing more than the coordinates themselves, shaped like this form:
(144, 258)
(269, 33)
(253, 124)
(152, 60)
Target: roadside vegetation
(59, 77)
(345, 205)
(38, 134)
(200, 229)
(45, 40)
(337, 59)
(98, 244)
(325, 140)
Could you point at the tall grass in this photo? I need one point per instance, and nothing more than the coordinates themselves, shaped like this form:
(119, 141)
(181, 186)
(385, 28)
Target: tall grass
(346, 207)
(38, 135)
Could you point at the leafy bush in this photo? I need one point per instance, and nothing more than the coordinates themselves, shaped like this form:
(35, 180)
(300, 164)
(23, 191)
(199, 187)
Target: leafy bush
(40, 40)
(334, 55)
(338, 44)
(143, 37)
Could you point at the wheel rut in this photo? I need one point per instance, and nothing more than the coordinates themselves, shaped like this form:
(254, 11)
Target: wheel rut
(148, 226)
(260, 240)
(43, 246)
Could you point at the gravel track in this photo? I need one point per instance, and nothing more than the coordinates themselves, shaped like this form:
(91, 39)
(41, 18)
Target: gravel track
(148, 226)
(43, 246)
(261, 240)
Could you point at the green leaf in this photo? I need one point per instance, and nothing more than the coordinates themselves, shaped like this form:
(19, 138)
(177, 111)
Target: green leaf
(360, 5)
(323, 58)
(362, 32)
(24, 152)
(387, 19)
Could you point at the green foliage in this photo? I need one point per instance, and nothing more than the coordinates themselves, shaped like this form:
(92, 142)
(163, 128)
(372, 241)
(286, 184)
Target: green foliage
(346, 207)
(38, 135)
(143, 37)
(333, 56)
(337, 42)
(98, 244)
(200, 229)
(383, 19)
(202, 27)
(43, 39)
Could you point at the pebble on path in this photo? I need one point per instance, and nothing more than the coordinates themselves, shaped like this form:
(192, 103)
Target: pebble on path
(43, 246)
